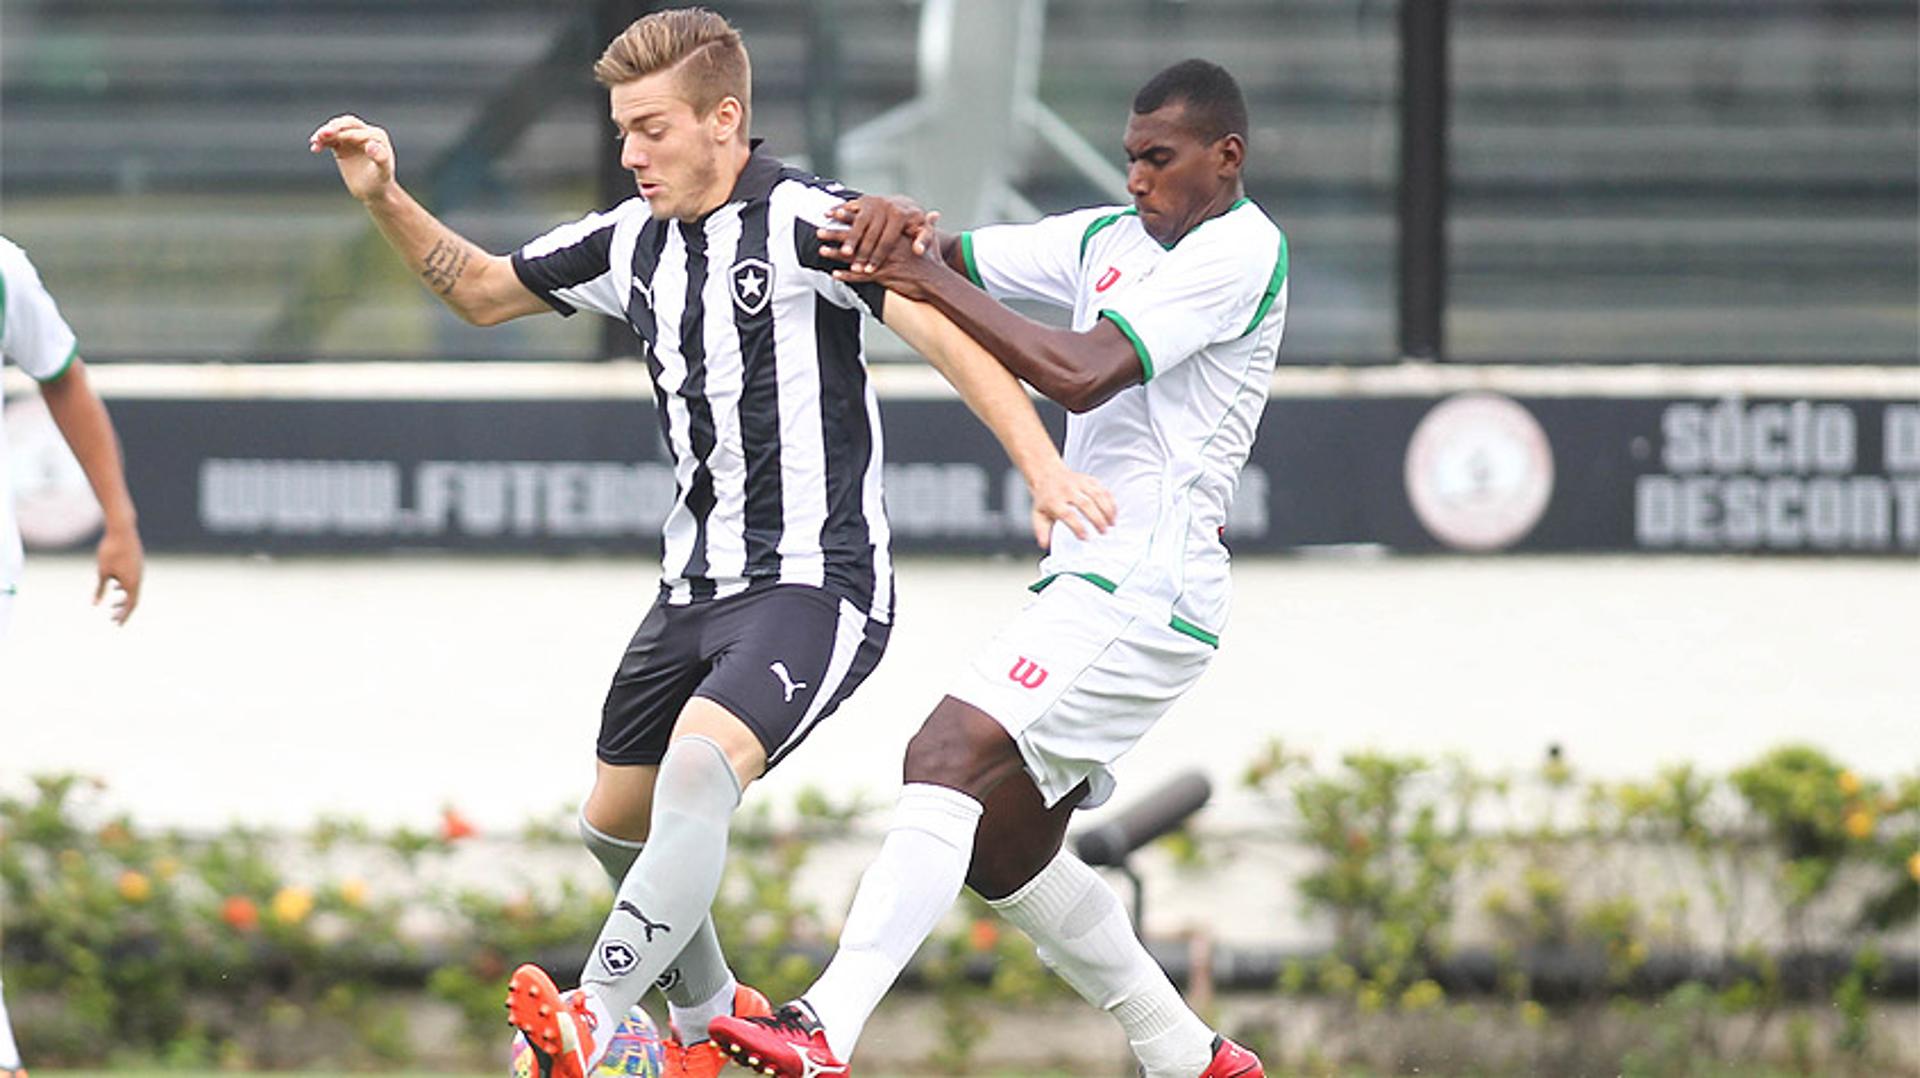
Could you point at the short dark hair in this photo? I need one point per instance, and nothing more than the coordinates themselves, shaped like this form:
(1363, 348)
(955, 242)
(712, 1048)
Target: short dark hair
(1215, 106)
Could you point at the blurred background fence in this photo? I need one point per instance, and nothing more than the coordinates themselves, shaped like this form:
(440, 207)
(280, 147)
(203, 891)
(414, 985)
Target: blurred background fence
(1630, 180)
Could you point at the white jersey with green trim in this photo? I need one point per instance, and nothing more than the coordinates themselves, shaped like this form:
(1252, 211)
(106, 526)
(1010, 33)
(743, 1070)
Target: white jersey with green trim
(35, 338)
(1205, 316)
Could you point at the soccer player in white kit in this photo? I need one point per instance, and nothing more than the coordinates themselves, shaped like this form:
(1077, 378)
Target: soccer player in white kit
(1178, 305)
(35, 338)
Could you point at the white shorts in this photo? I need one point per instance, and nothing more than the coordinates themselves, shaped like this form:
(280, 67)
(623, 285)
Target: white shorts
(1077, 680)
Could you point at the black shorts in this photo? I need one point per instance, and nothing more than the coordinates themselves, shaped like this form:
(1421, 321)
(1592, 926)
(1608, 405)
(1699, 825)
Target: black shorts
(780, 659)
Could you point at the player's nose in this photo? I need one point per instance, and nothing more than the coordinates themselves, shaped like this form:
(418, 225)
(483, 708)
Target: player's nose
(1137, 182)
(632, 157)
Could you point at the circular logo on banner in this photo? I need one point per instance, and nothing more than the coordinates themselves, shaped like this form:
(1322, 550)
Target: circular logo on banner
(51, 499)
(1479, 471)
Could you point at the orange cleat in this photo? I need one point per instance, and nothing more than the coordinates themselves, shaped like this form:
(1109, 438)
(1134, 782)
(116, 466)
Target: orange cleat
(789, 1043)
(560, 1031)
(706, 1060)
(1232, 1061)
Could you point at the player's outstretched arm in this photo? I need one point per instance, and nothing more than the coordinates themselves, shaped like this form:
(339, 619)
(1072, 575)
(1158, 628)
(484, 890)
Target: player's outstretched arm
(1078, 501)
(874, 229)
(82, 418)
(479, 287)
(1078, 370)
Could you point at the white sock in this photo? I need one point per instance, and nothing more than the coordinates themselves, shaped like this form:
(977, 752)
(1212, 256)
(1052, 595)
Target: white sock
(1082, 933)
(690, 1020)
(9, 1051)
(903, 894)
(664, 900)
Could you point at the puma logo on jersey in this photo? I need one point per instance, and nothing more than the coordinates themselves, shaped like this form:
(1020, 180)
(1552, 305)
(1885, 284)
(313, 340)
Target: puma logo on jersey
(786, 680)
(1028, 673)
(647, 926)
(1107, 280)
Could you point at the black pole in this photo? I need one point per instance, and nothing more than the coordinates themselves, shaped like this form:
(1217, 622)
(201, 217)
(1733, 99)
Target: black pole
(1423, 178)
(823, 87)
(614, 182)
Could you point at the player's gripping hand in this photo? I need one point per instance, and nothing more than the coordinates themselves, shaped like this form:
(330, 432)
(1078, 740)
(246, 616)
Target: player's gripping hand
(363, 152)
(878, 228)
(1068, 497)
(121, 561)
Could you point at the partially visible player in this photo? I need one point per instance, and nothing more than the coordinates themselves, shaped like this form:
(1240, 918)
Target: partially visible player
(1178, 304)
(776, 597)
(36, 339)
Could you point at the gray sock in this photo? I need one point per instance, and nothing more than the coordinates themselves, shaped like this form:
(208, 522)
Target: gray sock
(614, 854)
(700, 971)
(661, 905)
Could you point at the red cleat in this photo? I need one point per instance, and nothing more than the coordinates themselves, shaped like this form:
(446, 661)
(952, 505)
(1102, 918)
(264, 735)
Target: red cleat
(560, 1031)
(705, 1060)
(1232, 1061)
(789, 1043)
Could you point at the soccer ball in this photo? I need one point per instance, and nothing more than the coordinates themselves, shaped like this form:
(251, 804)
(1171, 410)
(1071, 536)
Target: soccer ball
(635, 1051)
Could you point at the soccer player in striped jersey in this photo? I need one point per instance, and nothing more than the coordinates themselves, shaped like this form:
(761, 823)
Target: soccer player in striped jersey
(1178, 303)
(776, 589)
(36, 339)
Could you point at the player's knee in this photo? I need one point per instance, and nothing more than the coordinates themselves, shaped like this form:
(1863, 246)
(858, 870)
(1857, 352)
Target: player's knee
(962, 748)
(1001, 870)
(623, 819)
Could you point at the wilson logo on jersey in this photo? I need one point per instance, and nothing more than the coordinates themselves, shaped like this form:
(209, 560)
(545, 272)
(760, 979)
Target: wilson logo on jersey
(1107, 279)
(1028, 673)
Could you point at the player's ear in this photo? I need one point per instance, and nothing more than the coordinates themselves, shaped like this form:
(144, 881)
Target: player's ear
(726, 119)
(1230, 152)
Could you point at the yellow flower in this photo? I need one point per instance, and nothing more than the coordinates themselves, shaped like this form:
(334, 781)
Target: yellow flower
(135, 887)
(1849, 783)
(1423, 995)
(353, 891)
(292, 905)
(166, 867)
(1533, 1014)
(1913, 867)
(1860, 824)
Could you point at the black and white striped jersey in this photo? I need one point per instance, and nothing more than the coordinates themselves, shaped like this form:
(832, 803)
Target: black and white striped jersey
(759, 377)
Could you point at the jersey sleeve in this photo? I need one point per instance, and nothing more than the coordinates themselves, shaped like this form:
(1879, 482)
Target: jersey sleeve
(33, 335)
(571, 267)
(1215, 286)
(808, 216)
(1038, 261)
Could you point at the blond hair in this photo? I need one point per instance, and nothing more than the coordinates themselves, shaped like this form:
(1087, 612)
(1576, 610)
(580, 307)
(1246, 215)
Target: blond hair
(705, 48)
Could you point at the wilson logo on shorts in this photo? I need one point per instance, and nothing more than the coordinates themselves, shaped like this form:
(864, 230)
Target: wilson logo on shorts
(1028, 673)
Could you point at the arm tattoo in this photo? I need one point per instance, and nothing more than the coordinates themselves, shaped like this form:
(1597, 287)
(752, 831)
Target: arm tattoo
(444, 264)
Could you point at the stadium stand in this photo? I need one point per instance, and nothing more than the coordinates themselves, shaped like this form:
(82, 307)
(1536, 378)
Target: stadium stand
(1716, 180)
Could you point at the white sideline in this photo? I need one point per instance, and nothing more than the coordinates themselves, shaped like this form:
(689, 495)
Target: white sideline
(913, 381)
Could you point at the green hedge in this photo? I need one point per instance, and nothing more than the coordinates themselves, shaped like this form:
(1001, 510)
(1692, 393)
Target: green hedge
(250, 948)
